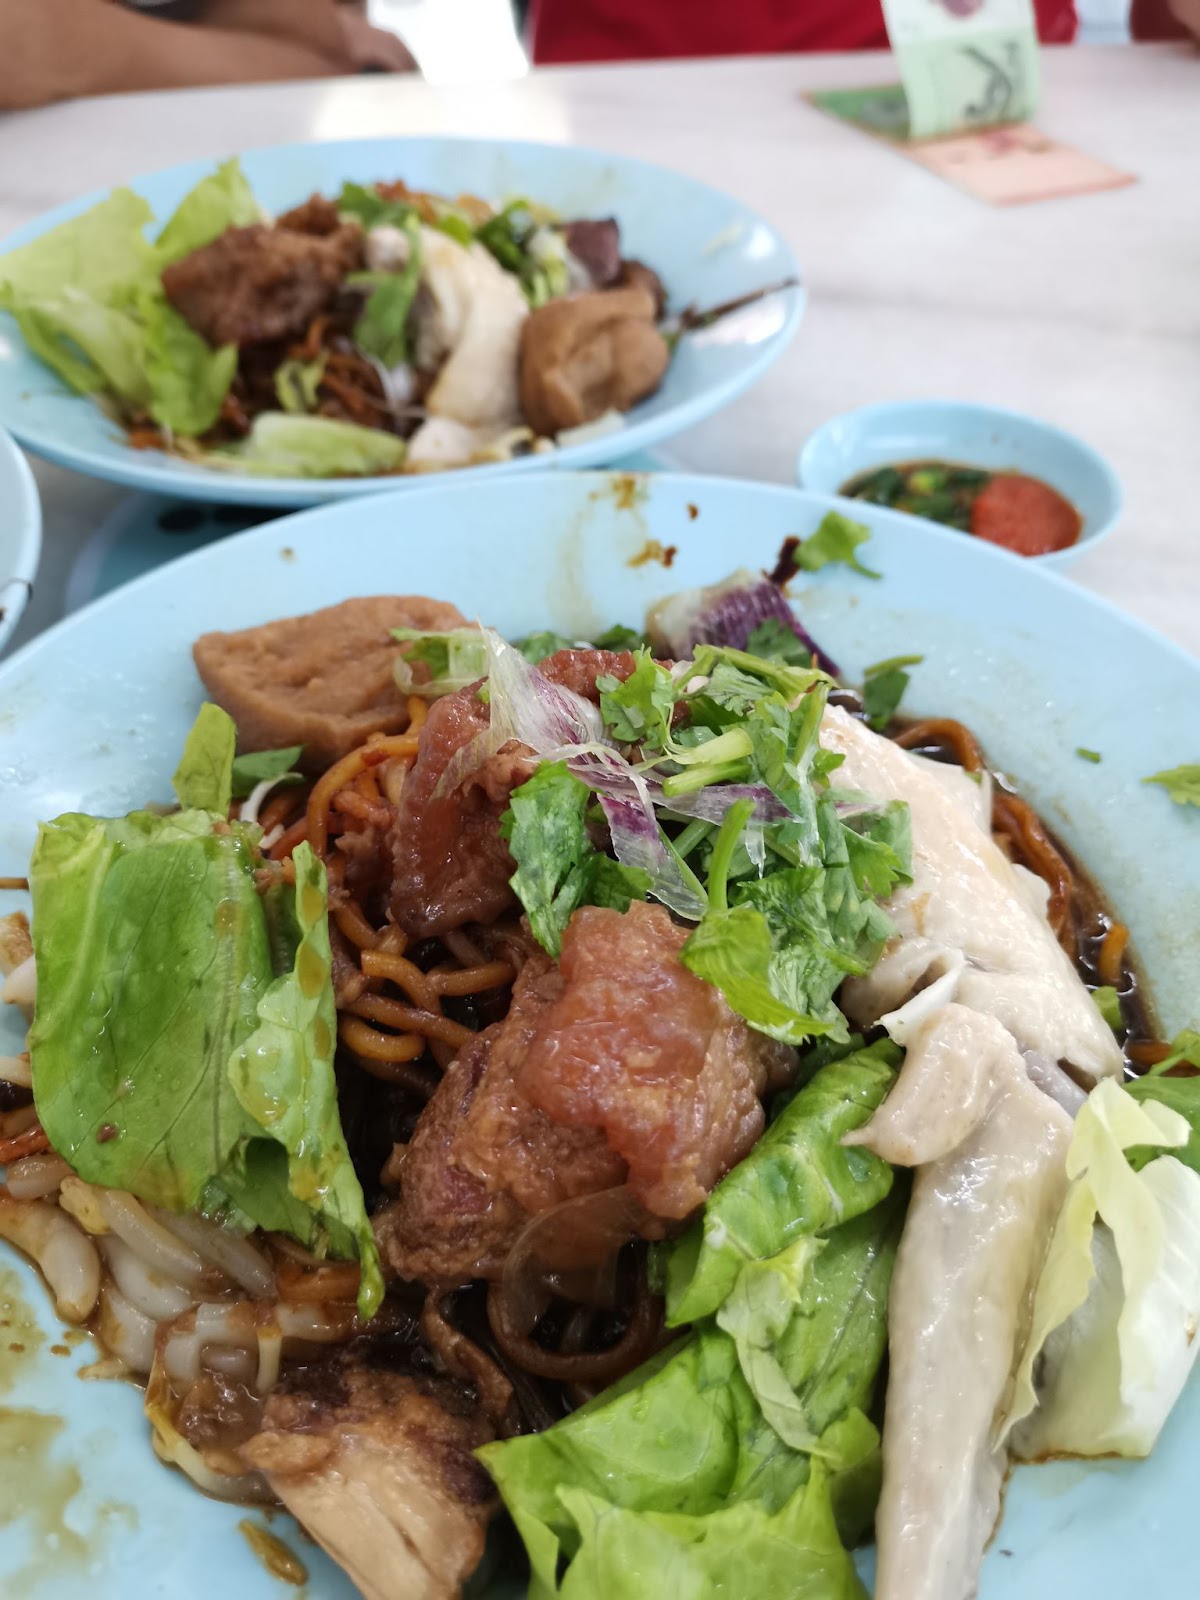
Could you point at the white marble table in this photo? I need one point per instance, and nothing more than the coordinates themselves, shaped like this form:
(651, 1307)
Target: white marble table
(1085, 310)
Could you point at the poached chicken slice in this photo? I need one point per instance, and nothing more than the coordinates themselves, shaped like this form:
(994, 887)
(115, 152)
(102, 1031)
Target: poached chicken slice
(968, 918)
(990, 1155)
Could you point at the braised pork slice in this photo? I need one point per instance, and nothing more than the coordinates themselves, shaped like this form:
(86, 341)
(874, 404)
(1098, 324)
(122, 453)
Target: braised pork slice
(618, 1066)
(323, 680)
(449, 862)
(378, 1468)
(260, 283)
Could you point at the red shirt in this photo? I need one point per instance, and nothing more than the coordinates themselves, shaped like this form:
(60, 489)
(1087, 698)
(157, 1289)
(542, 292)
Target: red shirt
(632, 30)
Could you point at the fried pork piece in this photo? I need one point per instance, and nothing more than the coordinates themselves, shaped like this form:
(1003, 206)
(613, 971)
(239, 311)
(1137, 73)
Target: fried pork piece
(259, 283)
(378, 1468)
(618, 1066)
(587, 354)
(450, 864)
(323, 680)
(317, 216)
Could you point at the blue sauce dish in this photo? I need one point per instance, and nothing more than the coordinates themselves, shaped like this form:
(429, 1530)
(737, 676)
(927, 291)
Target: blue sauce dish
(920, 438)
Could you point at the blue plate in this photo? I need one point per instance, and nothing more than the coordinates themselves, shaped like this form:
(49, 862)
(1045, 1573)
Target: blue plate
(974, 436)
(95, 712)
(708, 248)
(20, 535)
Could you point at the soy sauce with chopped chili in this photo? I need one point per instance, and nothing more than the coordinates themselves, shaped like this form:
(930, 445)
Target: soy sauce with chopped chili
(1006, 508)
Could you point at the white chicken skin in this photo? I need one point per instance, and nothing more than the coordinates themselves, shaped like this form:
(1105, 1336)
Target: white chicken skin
(976, 986)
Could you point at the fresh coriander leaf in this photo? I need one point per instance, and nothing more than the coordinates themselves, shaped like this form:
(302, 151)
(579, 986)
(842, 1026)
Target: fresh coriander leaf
(775, 642)
(203, 780)
(538, 646)
(608, 883)
(836, 539)
(1108, 1004)
(1181, 783)
(1085, 754)
(619, 637)
(256, 766)
(638, 711)
(557, 868)
(883, 689)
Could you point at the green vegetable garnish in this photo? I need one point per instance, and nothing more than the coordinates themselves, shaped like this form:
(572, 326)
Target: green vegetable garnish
(836, 539)
(183, 1038)
(687, 1453)
(256, 766)
(883, 689)
(1108, 1003)
(1085, 754)
(558, 868)
(1181, 783)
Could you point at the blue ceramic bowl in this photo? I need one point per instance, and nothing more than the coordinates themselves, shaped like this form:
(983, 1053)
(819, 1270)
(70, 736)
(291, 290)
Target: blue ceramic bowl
(708, 247)
(976, 436)
(20, 535)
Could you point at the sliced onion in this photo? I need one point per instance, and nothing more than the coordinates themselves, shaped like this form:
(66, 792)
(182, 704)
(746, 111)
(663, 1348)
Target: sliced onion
(270, 1355)
(20, 987)
(231, 1362)
(325, 1324)
(232, 1252)
(727, 614)
(65, 1254)
(569, 1251)
(124, 1330)
(129, 1220)
(16, 1069)
(34, 1177)
(154, 1296)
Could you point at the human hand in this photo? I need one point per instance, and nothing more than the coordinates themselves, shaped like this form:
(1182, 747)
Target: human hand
(368, 46)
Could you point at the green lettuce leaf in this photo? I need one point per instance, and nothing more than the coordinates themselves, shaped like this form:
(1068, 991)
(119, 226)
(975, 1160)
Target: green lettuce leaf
(168, 1056)
(798, 1180)
(152, 956)
(792, 1554)
(282, 446)
(558, 869)
(256, 766)
(284, 1081)
(1181, 783)
(88, 300)
(203, 780)
(835, 540)
(103, 252)
(222, 200)
(1112, 1339)
(187, 378)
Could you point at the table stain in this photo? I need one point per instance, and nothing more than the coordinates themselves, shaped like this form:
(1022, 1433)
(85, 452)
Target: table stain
(280, 1560)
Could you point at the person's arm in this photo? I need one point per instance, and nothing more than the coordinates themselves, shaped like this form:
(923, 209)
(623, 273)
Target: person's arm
(58, 49)
(1188, 12)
